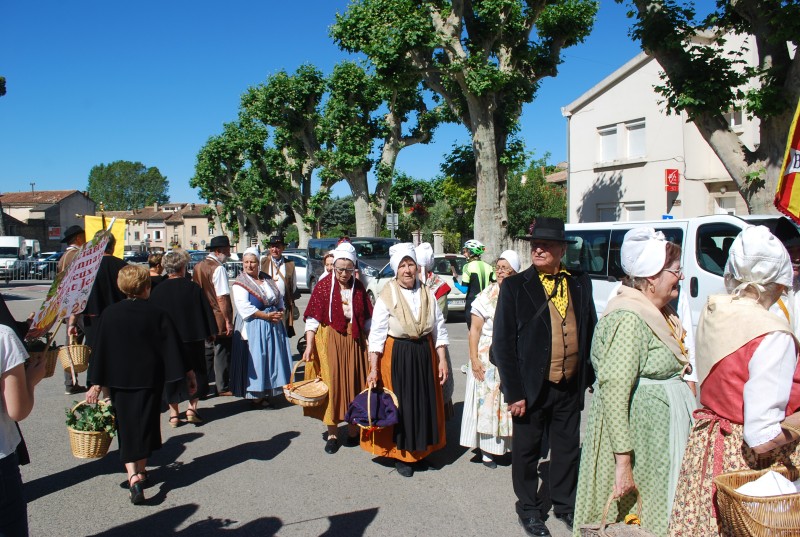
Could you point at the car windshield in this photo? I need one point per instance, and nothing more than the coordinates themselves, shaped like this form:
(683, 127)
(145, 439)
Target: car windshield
(373, 248)
(442, 265)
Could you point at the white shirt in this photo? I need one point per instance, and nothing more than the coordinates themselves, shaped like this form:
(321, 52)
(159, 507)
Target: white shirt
(245, 309)
(12, 354)
(379, 328)
(220, 278)
(766, 393)
(792, 304)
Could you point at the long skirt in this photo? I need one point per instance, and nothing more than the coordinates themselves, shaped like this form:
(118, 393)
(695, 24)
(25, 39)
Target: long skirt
(261, 364)
(410, 369)
(178, 392)
(342, 363)
(694, 512)
(486, 421)
(138, 426)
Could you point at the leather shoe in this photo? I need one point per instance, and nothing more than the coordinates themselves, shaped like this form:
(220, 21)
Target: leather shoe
(404, 469)
(534, 527)
(566, 518)
(331, 446)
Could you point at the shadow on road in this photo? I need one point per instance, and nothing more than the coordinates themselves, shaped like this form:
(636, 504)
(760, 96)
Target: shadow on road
(110, 464)
(175, 475)
(166, 522)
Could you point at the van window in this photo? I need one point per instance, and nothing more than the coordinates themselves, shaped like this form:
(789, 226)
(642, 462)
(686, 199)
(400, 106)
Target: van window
(672, 234)
(319, 247)
(589, 254)
(713, 243)
(373, 248)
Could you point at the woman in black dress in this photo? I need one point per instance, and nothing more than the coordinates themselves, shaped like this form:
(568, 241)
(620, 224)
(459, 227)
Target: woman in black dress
(187, 306)
(137, 349)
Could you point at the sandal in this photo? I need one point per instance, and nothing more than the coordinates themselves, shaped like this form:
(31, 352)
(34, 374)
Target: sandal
(143, 478)
(136, 490)
(194, 417)
(176, 423)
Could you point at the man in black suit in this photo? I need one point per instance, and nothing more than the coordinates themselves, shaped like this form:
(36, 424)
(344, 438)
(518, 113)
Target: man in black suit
(542, 336)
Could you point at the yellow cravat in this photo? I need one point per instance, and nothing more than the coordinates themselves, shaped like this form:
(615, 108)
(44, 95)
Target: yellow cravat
(561, 297)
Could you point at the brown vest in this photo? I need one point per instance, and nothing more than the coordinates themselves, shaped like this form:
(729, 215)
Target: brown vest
(67, 258)
(203, 275)
(564, 344)
(288, 279)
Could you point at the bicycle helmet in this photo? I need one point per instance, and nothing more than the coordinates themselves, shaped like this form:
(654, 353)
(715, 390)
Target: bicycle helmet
(474, 247)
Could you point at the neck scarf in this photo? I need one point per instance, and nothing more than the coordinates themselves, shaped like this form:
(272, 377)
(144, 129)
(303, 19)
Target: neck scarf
(664, 323)
(400, 310)
(253, 287)
(325, 306)
(558, 295)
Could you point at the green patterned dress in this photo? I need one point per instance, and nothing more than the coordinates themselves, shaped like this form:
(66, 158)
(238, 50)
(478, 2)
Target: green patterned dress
(640, 405)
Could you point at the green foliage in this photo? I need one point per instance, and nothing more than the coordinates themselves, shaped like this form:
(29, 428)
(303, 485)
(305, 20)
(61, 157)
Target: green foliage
(2, 86)
(124, 185)
(92, 418)
(338, 217)
(536, 197)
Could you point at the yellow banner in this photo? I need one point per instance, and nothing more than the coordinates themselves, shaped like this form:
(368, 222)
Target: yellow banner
(93, 224)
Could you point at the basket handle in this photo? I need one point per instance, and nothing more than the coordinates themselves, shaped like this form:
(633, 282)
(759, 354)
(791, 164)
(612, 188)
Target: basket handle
(611, 498)
(294, 370)
(101, 402)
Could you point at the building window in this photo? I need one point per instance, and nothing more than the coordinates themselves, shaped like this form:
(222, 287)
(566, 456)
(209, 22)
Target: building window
(734, 118)
(157, 235)
(607, 212)
(634, 211)
(194, 231)
(608, 143)
(211, 230)
(636, 141)
(136, 235)
(725, 205)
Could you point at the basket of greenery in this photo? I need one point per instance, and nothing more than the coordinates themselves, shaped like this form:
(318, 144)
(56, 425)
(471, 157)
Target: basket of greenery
(91, 428)
(38, 348)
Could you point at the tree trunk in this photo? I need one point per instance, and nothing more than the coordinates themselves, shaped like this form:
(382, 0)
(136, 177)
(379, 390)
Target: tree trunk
(491, 217)
(366, 223)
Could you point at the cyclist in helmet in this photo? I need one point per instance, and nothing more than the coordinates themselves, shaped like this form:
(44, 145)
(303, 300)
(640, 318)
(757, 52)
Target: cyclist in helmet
(476, 275)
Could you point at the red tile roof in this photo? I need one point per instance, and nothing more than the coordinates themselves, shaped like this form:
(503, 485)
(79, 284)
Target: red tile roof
(37, 197)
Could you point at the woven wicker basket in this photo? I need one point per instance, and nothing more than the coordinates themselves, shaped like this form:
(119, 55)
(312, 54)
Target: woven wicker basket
(50, 357)
(75, 354)
(88, 444)
(370, 427)
(743, 515)
(309, 393)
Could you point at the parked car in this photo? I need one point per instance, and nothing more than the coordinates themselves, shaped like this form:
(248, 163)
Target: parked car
(45, 268)
(135, 257)
(300, 266)
(373, 254)
(442, 265)
(195, 257)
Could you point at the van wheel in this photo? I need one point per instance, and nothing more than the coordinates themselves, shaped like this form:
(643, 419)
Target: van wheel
(371, 297)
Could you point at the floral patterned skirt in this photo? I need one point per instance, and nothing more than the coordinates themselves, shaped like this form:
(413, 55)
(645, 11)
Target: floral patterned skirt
(694, 510)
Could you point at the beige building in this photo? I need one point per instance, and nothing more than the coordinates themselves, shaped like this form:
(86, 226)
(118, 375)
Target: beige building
(172, 225)
(44, 215)
(622, 146)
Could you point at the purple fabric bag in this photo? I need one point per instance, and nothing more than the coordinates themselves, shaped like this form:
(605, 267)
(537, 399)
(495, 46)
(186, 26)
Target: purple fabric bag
(382, 409)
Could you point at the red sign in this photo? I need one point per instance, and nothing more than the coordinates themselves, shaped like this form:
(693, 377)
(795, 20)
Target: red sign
(672, 180)
(54, 233)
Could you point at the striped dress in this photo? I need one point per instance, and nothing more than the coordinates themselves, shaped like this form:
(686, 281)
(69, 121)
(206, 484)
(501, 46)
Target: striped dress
(486, 422)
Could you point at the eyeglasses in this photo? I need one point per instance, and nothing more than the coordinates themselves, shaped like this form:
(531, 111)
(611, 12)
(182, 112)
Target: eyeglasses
(504, 270)
(678, 272)
(343, 270)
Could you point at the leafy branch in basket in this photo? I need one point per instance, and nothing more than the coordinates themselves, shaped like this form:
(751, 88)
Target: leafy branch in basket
(39, 344)
(92, 418)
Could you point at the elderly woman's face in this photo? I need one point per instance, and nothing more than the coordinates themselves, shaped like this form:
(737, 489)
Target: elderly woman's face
(343, 270)
(407, 273)
(329, 263)
(666, 282)
(250, 265)
(503, 269)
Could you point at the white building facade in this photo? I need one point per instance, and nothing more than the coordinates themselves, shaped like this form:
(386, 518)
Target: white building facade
(622, 145)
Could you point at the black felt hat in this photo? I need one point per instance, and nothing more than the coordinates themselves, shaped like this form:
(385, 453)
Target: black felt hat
(71, 232)
(548, 229)
(220, 241)
(277, 239)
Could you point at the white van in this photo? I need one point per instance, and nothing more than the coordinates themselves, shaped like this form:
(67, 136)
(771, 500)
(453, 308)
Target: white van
(12, 250)
(705, 242)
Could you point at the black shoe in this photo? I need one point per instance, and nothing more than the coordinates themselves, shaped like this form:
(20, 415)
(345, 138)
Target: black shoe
(404, 469)
(352, 441)
(566, 518)
(137, 493)
(331, 446)
(534, 526)
(490, 464)
(72, 390)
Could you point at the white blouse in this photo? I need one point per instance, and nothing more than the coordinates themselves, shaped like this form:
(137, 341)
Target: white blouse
(766, 392)
(243, 306)
(380, 319)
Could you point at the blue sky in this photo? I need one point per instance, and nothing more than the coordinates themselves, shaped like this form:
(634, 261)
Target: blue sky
(93, 82)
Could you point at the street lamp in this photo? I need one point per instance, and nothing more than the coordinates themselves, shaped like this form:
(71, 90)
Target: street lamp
(418, 210)
(418, 197)
(459, 216)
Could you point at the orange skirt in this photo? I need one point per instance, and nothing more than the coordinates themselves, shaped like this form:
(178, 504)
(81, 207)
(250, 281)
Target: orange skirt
(381, 442)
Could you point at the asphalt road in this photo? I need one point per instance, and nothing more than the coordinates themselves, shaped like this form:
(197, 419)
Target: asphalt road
(257, 472)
